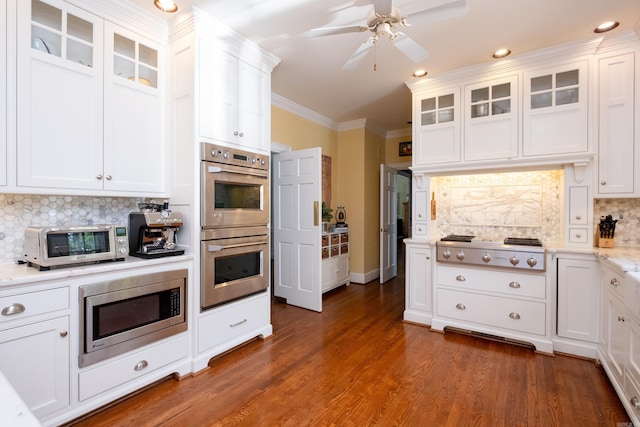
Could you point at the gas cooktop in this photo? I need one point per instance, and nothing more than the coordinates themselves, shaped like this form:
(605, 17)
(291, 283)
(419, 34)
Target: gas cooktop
(520, 241)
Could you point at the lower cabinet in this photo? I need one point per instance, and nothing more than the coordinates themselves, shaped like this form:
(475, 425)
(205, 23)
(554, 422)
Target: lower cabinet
(35, 359)
(93, 381)
(619, 348)
(418, 293)
(578, 305)
(335, 260)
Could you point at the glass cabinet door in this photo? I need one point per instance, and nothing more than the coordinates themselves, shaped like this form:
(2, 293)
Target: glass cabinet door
(135, 61)
(59, 33)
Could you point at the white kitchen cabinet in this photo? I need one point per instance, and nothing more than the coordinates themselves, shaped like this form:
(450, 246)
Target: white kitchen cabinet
(436, 127)
(503, 303)
(133, 112)
(555, 110)
(81, 123)
(578, 299)
(616, 153)
(491, 119)
(59, 96)
(234, 104)
(418, 297)
(3, 93)
(421, 205)
(335, 260)
(35, 347)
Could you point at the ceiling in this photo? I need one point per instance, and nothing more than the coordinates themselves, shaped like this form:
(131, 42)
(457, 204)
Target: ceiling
(310, 73)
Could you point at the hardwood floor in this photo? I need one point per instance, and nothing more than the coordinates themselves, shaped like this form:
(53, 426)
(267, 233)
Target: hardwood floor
(358, 364)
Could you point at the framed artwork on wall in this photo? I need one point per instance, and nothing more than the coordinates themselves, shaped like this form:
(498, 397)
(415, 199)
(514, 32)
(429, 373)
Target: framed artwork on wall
(405, 149)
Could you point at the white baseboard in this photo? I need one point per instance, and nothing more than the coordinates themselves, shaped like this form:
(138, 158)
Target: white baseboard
(364, 278)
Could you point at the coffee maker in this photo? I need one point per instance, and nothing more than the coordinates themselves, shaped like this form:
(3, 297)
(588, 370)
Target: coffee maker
(153, 231)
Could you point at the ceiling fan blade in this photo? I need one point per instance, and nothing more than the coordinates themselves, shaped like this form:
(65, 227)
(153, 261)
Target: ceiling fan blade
(382, 7)
(328, 31)
(444, 11)
(358, 56)
(409, 47)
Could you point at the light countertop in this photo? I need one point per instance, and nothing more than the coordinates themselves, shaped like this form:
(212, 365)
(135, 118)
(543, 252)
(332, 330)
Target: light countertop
(19, 274)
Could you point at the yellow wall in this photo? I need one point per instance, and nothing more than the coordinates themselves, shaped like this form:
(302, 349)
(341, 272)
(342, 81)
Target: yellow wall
(392, 150)
(356, 155)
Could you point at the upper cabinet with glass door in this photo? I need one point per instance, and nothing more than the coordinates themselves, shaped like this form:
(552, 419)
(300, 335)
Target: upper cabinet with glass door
(437, 134)
(135, 61)
(491, 120)
(555, 111)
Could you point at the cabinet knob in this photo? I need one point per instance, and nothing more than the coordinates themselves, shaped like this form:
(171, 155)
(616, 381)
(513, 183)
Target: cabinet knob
(64, 333)
(603, 182)
(15, 308)
(99, 177)
(635, 402)
(514, 316)
(620, 318)
(614, 282)
(578, 235)
(141, 365)
(460, 306)
(108, 177)
(241, 134)
(579, 217)
(235, 133)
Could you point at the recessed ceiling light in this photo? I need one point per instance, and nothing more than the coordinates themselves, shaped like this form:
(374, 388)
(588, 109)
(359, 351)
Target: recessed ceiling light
(501, 53)
(606, 26)
(420, 73)
(165, 5)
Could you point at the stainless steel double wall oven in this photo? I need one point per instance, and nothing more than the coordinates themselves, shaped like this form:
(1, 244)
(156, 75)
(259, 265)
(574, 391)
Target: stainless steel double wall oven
(234, 224)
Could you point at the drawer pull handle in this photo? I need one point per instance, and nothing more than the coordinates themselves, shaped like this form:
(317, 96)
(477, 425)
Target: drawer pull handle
(461, 306)
(141, 365)
(461, 278)
(614, 282)
(514, 316)
(239, 323)
(514, 285)
(15, 308)
(620, 319)
(635, 402)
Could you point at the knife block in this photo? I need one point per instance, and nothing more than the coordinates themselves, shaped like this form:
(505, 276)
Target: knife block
(603, 242)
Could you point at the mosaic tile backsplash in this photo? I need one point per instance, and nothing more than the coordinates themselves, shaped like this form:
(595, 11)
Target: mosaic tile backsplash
(20, 211)
(627, 212)
(498, 205)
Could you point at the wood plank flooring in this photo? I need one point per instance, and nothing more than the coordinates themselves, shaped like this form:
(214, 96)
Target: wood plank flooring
(358, 364)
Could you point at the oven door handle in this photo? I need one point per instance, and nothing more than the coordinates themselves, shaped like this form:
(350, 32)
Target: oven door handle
(217, 248)
(218, 169)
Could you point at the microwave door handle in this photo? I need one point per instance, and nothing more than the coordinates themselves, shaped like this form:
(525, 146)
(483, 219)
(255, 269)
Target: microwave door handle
(218, 169)
(217, 248)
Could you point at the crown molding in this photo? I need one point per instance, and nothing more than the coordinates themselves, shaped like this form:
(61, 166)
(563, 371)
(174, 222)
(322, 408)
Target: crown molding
(398, 133)
(303, 112)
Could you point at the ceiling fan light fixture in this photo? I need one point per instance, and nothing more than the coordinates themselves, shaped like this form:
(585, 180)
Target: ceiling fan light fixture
(606, 26)
(383, 29)
(501, 53)
(419, 73)
(166, 5)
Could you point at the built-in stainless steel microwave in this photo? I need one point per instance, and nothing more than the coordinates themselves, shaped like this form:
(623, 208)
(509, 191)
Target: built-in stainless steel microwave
(125, 314)
(46, 247)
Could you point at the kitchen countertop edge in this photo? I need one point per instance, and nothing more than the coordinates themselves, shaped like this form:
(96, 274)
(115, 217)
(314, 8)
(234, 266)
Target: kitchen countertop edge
(13, 274)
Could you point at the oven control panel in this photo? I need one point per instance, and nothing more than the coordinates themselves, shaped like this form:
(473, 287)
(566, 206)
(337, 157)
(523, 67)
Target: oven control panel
(233, 156)
(506, 256)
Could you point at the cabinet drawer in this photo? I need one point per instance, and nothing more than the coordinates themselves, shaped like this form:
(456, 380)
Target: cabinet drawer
(231, 321)
(33, 303)
(344, 249)
(335, 239)
(344, 238)
(335, 250)
(97, 380)
(615, 283)
(507, 282)
(578, 235)
(505, 313)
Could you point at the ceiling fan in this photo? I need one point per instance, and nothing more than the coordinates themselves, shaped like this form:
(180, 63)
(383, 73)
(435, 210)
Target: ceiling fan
(384, 20)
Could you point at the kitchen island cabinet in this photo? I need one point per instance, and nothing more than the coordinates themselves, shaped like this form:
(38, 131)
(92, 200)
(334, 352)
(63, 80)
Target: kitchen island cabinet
(89, 104)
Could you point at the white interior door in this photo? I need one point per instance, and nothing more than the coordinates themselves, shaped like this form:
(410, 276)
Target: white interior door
(297, 229)
(388, 220)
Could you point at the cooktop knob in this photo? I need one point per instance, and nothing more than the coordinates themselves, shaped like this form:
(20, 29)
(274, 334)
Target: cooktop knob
(460, 255)
(514, 260)
(225, 154)
(532, 262)
(486, 257)
(446, 253)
